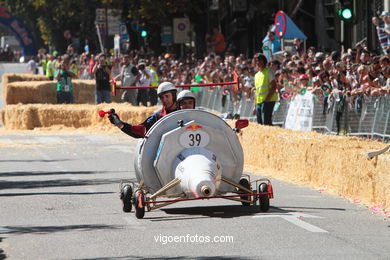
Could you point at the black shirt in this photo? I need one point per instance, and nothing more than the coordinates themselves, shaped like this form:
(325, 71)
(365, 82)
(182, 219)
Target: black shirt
(102, 79)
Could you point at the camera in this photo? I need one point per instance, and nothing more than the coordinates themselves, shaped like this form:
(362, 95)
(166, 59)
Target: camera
(141, 67)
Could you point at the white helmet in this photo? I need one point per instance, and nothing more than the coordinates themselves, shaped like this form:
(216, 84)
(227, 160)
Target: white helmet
(185, 94)
(165, 87)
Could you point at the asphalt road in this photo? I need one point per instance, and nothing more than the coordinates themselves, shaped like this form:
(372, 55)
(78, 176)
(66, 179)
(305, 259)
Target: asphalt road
(59, 198)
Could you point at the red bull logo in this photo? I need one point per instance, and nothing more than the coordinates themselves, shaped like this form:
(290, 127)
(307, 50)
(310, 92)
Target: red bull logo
(194, 127)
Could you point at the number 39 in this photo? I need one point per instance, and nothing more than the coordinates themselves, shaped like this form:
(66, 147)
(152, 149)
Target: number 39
(195, 139)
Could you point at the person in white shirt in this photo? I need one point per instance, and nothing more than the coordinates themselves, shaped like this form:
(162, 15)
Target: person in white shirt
(144, 80)
(129, 75)
(32, 66)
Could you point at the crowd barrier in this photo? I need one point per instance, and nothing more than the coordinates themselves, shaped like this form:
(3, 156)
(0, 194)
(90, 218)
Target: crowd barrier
(366, 116)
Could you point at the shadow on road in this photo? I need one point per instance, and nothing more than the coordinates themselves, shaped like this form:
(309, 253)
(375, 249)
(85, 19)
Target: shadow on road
(53, 193)
(229, 211)
(2, 253)
(172, 258)
(23, 161)
(53, 183)
(52, 229)
(16, 174)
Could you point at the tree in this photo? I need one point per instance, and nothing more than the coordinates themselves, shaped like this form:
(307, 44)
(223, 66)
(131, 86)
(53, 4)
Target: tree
(49, 19)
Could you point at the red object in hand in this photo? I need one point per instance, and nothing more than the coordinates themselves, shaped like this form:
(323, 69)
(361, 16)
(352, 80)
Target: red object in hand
(103, 113)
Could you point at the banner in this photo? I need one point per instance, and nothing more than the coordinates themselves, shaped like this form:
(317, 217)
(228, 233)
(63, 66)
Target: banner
(300, 113)
(22, 34)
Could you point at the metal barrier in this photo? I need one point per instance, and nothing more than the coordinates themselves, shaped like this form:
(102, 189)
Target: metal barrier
(362, 116)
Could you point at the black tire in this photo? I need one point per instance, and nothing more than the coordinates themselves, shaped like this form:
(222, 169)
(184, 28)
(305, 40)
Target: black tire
(126, 197)
(139, 211)
(246, 184)
(264, 199)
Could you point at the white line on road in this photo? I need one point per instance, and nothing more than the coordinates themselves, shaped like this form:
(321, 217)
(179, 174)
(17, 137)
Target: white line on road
(296, 219)
(302, 224)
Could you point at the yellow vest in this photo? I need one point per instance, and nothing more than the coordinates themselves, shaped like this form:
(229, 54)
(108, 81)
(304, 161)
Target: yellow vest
(263, 86)
(155, 78)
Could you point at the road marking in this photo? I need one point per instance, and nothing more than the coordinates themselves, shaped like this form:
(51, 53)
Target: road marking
(296, 219)
(309, 227)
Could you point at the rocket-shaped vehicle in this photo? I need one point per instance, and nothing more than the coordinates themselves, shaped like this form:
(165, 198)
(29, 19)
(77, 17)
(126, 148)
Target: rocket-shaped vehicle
(190, 155)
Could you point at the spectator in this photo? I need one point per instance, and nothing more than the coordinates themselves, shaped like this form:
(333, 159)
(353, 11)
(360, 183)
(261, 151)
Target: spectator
(32, 66)
(50, 67)
(248, 83)
(64, 82)
(386, 19)
(218, 42)
(270, 45)
(266, 95)
(102, 74)
(155, 81)
(144, 80)
(380, 31)
(129, 75)
(298, 47)
(74, 68)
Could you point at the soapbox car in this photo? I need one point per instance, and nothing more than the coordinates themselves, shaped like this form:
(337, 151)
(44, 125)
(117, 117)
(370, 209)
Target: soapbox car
(191, 155)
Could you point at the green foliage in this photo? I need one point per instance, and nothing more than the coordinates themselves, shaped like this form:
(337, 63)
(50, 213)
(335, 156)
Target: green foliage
(48, 19)
(161, 12)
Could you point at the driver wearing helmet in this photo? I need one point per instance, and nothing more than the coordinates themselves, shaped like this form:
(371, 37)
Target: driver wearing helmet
(166, 92)
(186, 100)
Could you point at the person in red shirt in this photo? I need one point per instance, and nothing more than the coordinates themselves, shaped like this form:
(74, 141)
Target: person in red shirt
(218, 41)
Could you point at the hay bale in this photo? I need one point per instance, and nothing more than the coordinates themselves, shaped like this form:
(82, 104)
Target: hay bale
(12, 77)
(31, 116)
(26, 92)
(44, 92)
(308, 158)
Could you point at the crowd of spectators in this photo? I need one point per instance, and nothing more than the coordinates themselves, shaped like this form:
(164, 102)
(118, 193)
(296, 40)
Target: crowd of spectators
(343, 76)
(7, 54)
(352, 73)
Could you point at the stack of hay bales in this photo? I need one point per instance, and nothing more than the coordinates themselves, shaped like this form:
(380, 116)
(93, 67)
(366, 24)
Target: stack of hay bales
(30, 116)
(30, 89)
(338, 163)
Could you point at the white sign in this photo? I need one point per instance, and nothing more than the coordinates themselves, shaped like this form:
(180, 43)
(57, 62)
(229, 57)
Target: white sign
(110, 18)
(117, 43)
(113, 20)
(300, 113)
(197, 138)
(181, 28)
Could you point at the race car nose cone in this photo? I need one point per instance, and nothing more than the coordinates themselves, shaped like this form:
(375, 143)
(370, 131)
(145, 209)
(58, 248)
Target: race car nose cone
(205, 190)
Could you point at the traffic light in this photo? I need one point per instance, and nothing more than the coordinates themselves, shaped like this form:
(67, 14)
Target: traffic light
(144, 33)
(346, 12)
